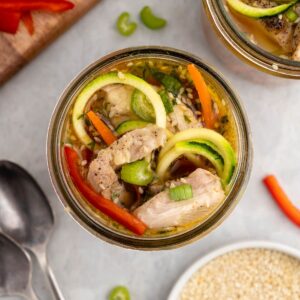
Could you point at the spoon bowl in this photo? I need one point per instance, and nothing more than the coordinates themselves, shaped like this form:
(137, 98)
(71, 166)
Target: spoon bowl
(25, 215)
(15, 270)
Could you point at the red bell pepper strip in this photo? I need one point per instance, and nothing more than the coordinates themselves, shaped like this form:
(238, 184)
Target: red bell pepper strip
(28, 22)
(9, 21)
(29, 5)
(104, 205)
(283, 201)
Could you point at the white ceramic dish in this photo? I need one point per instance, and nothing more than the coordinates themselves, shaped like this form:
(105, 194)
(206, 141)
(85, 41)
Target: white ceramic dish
(175, 293)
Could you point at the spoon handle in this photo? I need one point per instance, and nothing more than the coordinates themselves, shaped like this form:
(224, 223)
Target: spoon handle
(42, 259)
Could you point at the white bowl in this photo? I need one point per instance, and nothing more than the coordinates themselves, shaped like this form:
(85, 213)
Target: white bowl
(176, 291)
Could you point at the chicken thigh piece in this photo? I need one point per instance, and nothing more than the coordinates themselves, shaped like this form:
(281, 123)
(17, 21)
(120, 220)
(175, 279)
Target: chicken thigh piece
(132, 146)
(161, 211)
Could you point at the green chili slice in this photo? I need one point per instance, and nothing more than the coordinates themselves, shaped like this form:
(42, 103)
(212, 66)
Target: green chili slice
(138, 173)
(125, 27)
(291, 15)
(150, 20)
(119, 293)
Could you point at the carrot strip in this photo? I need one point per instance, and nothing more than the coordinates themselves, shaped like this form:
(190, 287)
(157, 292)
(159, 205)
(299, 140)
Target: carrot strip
(102, 129)
(28, 22)
(282, 200)
(204, 95)
(106, 206)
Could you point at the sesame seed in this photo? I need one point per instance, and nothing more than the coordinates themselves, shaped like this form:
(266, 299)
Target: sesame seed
(275, 67)
(97, 140)
(121, 75)
(246, 274)
(84, 163)
(171, 96)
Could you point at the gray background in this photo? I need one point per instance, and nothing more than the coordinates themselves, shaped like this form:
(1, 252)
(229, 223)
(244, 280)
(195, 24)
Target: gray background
(87, 268)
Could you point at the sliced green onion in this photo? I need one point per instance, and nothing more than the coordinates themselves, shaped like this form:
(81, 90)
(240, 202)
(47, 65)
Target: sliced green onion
(137, 172)
(166, 101)
(181, 192)
(291, 15)
(125, 27)
(150, 20)
(119, 293)
(171, 84)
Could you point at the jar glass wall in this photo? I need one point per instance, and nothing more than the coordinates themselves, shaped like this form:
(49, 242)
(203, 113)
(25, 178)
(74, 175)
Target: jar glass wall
(85, 214)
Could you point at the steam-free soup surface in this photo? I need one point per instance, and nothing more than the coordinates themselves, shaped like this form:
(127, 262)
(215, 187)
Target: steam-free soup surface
(149, 153)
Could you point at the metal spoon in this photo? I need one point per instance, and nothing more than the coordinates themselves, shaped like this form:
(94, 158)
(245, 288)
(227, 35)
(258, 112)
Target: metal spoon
(26, 215)
(15, 270)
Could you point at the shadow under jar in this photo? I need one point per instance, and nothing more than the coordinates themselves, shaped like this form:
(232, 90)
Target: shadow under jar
(268, 43)
(157, 68)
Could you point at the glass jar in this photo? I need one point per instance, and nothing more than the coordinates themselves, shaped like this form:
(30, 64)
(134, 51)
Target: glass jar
(226, 31)
(74, 202)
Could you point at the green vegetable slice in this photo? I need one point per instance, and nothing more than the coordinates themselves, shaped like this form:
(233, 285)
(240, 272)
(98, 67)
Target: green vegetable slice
(141, 106)
(221, 145)
(291, 15)
(171, 84)
(113, 78)
(181, 192)
(150, 20)
(119, 293)
(258, 12)
(130, 125)
(200, 147)
(125, 27)
(137, 172)
(166, 101)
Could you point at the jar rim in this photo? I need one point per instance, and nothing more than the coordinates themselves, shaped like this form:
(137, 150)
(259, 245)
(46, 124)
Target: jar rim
(67, 197)
(242, 47)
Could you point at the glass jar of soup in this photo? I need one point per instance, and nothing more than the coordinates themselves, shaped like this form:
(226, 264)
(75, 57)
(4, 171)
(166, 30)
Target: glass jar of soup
(149, 148)
(268, 44)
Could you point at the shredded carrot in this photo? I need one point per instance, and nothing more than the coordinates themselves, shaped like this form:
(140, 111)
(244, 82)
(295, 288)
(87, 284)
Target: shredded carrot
(283, 201)
(204, 95)
(102, 128)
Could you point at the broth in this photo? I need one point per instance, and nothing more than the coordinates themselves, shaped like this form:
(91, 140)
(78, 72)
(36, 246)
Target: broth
(186, 98)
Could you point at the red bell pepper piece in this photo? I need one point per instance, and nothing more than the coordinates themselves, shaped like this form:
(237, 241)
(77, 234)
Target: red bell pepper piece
(104, 205)
(9, 21)
(28, 22)
(29, 5)
(282, 200)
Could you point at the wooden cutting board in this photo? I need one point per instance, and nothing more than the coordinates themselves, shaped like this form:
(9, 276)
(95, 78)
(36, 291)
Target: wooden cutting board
(16, 50)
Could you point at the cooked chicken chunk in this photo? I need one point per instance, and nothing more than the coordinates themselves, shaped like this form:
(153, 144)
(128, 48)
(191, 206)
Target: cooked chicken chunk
(160, 211)
(130, 147)
(296, 43)
(182, 118)
(280, 30)
(117, 99)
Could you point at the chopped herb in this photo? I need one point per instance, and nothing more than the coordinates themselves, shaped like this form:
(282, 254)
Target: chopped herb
(91, 145)
(171, 83)
(224, 119)
(187, 119)
(87, 122)
(80, 117)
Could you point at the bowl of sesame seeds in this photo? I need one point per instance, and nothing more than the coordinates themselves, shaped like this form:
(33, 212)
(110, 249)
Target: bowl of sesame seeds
(257, 270)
